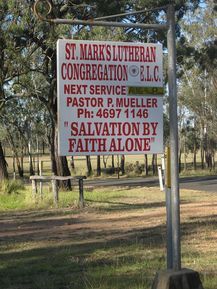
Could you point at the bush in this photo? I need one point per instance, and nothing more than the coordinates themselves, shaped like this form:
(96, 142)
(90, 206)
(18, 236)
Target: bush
(134, 169)
(11, 186)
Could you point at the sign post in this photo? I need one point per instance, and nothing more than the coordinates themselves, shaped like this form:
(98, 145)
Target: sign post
(175, 201)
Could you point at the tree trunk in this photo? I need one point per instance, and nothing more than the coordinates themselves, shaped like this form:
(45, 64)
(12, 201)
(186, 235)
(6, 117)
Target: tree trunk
(89, 166)
(72, 163)
(98, 170)
(51, 142)
(202, 155)
(185, 163)
(3, 165)
(209, 160)
(59, 165)
(195, 157)
(62, 168)
(180, 160)
(113, 162)
(122, 166)
(43, 147)
(37, 155)
(22, 157)
(104, 161)
(213, 160)
(19, 167)
(202, 142)
(154, 164)
(15, 154)
(14, 168)
(53, 158)
(31, 170)
(146, 165)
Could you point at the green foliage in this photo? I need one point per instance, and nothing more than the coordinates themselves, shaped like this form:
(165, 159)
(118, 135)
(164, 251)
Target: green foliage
(197, 85)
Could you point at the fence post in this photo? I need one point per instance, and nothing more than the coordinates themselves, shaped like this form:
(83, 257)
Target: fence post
(55, 191)
(34, 188)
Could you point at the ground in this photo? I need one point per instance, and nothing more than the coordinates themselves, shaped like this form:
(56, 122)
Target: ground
(117, 241)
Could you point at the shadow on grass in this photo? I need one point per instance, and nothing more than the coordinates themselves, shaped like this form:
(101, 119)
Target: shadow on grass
(71, 266)
(79, 228)
(85, 257)
(40, 213)
(119, 206)
(203, 222)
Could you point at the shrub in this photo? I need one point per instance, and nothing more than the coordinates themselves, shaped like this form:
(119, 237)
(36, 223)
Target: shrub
(11, 186)
(134, 169)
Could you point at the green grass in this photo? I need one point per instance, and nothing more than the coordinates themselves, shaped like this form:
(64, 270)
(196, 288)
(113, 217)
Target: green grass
(117, 241)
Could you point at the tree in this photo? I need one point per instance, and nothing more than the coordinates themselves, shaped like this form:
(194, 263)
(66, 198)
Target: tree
(35, 74)
(7, 55)
(198, 70)
(29, 51)
(24, 121)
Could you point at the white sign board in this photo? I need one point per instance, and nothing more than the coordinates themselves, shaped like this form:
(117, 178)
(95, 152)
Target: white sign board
(102, 109)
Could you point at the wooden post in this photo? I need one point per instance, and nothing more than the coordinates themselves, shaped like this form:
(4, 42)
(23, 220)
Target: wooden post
(55, 192)
(34, 188)
(54, 181)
